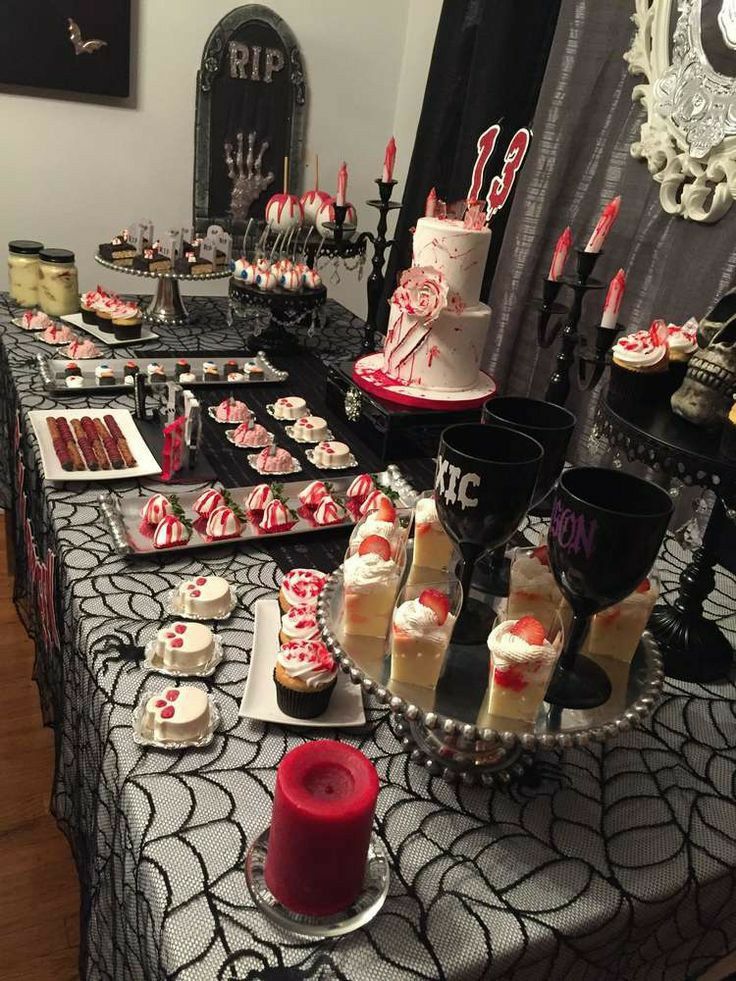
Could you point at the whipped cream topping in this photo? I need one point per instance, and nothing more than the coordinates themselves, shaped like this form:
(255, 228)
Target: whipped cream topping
(300, 623)
(643, 348)
(417, 620)
(425, 512)
(528, 574)
(309, 661)
(363, 572)
(373, 526)
(506, 646)
(683, 338)
(301, 587)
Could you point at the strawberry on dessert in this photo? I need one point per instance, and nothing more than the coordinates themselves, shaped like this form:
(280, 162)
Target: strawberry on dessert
(301, 587)
(274, 459)
(371, 581)
(328, 512)
(170, 531)
(259, 498)
(231, 410)
(223, 522)
(82, 349)
(383, 522)
(36, 320)
(313, 494)
(208, 502)
(522, 661)
(250, 434)
(276, 517)
(420, 635)
(155, 508)
(361, 488)
(375, 545)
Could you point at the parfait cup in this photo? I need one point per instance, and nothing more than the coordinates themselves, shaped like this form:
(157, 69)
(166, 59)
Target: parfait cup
(395, 532)
(421, 628)
(370, 584)
(615, 632)
(533, 590)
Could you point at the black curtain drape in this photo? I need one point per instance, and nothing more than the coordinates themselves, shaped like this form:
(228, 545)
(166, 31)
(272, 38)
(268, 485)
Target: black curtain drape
(487, 67)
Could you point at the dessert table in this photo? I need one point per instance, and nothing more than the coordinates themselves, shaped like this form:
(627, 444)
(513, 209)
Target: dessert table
(609, 861)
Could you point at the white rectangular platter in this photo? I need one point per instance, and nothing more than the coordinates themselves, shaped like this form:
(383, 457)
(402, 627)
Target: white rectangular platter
(75, 319)
(259, 700)
(146, 464)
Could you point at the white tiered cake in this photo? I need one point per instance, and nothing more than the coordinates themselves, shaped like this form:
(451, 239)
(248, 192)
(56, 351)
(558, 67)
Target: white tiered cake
(437, 327)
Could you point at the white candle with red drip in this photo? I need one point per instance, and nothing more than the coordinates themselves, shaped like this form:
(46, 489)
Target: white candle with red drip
(604, 226)
(389, 160)
(342, 185)
(559, 257)
(430, 207)
(614, 298)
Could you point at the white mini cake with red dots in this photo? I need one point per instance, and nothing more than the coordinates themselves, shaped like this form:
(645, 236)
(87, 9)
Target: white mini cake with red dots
(331, 453)
(184, 646)
(177, 714)
(205, 596)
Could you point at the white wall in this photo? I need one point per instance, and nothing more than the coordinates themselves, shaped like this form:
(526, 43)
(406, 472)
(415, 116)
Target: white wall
(75, 170)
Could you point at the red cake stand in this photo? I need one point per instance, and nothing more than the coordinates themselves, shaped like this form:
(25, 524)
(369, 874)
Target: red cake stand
(367, 374)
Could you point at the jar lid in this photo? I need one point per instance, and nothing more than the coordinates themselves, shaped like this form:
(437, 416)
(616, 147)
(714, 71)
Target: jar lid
(22, 246)
(57, 255)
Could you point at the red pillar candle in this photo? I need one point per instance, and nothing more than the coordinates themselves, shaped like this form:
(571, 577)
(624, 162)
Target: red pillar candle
(321, 827)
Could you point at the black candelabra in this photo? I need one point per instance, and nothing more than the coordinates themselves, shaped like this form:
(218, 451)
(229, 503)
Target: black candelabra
(591, 362)
(380, 243)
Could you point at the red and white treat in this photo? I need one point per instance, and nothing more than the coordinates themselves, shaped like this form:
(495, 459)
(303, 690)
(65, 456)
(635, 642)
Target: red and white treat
(374, 501)
(361, 488)
(312, 201)
(616, 632)
(250, 434)
(533, 591)
(644, 350)
(274, 459)
(208, 502)
(371, 581)
(311, 279)
(331, 455)
(328, 512)
(300, 623)
(265, 280)
(223, 522)
(289, 407)
(204, 597)
(259, 498)
(301, 587)
(284, 212)
(289, 279)
(170, 531)
(231, 410)
(177, 715)
(155, 508)
(313, 494)
(432, 546)
(522, 661)
(437, 327)
(184, 646)
(276, 517)
(382, 522)
(420, 634)
(58, 334)
(81, 349)
(309, 429)
(36, 320)
(682, 340)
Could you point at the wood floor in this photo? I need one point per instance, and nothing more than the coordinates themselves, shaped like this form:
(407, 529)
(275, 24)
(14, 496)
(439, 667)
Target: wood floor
(39, 896)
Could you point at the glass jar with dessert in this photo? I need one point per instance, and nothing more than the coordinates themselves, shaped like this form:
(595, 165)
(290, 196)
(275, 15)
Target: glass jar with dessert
(23, 271)
(58, 286)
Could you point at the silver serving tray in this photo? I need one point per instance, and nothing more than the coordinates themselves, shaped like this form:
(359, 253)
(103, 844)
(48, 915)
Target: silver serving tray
(154, 663)
(143, 736)
(54, 380)
(122, 515)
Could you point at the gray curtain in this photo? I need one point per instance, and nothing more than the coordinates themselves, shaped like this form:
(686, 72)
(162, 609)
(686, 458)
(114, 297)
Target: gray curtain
(584, 125)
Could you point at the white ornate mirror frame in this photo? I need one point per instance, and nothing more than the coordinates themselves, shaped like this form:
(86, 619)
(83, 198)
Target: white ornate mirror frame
(689, 137)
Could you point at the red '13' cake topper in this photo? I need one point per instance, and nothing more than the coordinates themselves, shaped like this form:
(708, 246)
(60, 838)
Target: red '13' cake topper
(501, 184)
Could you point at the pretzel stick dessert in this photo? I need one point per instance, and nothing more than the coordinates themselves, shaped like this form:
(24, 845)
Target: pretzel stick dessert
(121, 441)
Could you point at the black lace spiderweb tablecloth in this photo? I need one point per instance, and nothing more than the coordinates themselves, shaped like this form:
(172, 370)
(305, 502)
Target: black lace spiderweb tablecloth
(613, 861)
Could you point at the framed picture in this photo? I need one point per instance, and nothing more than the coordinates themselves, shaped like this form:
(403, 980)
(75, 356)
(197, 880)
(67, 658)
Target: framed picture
(72, 45)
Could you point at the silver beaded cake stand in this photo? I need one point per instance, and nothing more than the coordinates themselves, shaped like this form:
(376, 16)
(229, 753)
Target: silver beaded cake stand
(448, 730)
(166, 307)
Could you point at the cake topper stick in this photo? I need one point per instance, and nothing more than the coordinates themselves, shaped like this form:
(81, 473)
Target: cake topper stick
(260, 249)
(286, 175)
(316, 171)
(276, 243)
(245, 237)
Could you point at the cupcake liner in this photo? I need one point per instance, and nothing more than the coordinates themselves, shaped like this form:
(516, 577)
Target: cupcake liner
(127, 333)
(89, 317)
(627, 388)
(678, 370)
(303, 704)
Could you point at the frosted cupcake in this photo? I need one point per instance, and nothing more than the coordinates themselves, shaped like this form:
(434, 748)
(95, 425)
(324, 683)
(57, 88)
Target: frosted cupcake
(305, 677)
(640, 368)
(300, 623)
(682, 343)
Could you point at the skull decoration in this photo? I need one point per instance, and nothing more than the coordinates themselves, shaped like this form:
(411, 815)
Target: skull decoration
(706, 395)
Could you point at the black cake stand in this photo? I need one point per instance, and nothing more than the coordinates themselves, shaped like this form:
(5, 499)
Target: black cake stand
(693, 648)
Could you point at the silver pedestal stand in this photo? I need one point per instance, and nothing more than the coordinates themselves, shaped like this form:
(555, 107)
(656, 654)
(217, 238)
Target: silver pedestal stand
(449, 732)
(166, 307)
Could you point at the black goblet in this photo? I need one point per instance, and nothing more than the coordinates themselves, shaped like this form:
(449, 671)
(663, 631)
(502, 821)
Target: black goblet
(484, 483)
(605, 531)
(552, 426)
